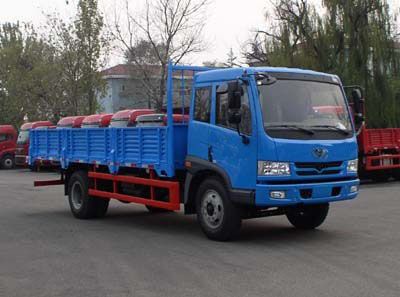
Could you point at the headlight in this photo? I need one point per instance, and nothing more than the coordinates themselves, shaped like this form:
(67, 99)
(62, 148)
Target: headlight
(268, 168)
(352, 166)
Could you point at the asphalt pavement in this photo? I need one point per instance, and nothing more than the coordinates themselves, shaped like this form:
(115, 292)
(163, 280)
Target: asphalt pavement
(44, 251)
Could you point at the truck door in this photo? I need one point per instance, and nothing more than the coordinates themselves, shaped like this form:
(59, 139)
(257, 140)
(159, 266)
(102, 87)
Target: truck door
(3, 142)
(200, 122)
(234, 153)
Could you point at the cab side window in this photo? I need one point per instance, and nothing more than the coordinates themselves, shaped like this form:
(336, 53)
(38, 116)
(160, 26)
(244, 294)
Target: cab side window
(202, 104)
(222, 112)
(3, 137)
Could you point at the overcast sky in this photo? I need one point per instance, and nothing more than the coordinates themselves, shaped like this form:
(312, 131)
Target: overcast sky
(229, 22)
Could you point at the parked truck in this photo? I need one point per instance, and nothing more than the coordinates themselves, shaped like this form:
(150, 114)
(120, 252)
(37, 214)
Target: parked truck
(97, 121)
(70, 122)
(127, 117)
(255, 145)
(8, 141)
(22, 148)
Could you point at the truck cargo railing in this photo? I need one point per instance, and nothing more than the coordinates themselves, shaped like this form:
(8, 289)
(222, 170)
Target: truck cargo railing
(162, 148)
(380, 148)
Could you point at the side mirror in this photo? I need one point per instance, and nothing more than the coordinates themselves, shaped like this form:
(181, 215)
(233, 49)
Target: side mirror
(235, 92)
(358, 119)
(358, 100)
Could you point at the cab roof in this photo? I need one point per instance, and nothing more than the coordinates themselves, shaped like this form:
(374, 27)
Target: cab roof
(225, 74)
(7, 129)
(74, 121)
(103, 120)
(130, 114)
(33, 125)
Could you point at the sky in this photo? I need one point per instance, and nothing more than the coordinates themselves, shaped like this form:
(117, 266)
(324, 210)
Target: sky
(229, 22)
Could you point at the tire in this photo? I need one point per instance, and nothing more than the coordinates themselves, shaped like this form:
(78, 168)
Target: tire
(7, 162)
(218, 217)
(308, 216)
(396, 174)
(82, 205)
(380, 177)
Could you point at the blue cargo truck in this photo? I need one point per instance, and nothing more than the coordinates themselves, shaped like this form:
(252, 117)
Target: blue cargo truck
(260, 141)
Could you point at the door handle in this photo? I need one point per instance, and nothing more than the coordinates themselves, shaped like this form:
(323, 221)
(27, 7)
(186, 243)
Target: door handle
(210, 157)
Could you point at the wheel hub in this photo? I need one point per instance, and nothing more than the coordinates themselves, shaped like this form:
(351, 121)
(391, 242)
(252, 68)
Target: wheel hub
(76, 195)
(8, 163)
(212, 209)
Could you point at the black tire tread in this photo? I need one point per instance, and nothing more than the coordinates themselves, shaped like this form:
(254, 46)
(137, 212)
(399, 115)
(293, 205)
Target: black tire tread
(4, 158)
(232, 218)
(92, 207)
(314, 216)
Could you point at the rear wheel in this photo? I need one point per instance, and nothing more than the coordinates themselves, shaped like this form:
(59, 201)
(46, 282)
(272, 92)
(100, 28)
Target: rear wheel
(82, 205)
(308, 216)
(7, 162)
(219, 218)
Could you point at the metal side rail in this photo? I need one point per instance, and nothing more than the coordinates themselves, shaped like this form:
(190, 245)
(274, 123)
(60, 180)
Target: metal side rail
(171, 186)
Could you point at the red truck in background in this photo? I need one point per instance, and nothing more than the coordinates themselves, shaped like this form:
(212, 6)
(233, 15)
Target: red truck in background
(22, 148)
(378, 149)
(379, 153)
(70, 122)
(97, 121)
(127, 117)
(8, 141)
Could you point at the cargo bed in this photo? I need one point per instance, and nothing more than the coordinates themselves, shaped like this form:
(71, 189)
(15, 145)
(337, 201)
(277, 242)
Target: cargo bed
(380, 148)
(143, 147)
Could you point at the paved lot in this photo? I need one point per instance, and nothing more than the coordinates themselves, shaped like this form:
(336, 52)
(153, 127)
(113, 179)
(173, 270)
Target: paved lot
(46, 252)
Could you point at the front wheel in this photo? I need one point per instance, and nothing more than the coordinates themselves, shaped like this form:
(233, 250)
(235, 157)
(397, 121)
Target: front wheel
(219, 218)
(308, 216)
(7, 162)
(82, 205)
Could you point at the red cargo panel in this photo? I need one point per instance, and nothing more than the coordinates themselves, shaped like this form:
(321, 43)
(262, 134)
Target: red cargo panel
(373, 140)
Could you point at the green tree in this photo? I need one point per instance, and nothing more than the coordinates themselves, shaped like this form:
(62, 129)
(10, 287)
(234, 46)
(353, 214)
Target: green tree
(81, 44)
(29, 75)
(89, 25)
(354, 39)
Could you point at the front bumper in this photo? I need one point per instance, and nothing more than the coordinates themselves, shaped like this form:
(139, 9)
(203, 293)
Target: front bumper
(20, 160)
(306, 193)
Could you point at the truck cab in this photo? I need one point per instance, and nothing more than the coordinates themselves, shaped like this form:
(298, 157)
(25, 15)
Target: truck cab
(22, 148)
(8, 140)
(273, 137)
(127, 117)
(70, 122)
(97, 121)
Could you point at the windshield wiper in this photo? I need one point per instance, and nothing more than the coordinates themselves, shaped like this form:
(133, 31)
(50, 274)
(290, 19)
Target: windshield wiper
(305, 130)
(343, 131)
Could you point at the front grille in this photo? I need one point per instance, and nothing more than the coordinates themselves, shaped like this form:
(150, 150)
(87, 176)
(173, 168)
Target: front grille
(317, 168)
(20, 160)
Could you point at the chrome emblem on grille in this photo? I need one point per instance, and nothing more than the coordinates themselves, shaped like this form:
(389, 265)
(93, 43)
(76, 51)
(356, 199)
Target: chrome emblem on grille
(320, 152)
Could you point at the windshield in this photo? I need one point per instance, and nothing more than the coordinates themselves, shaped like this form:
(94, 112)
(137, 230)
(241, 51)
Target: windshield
(119, 123)
(23, 137)
(310, 105)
